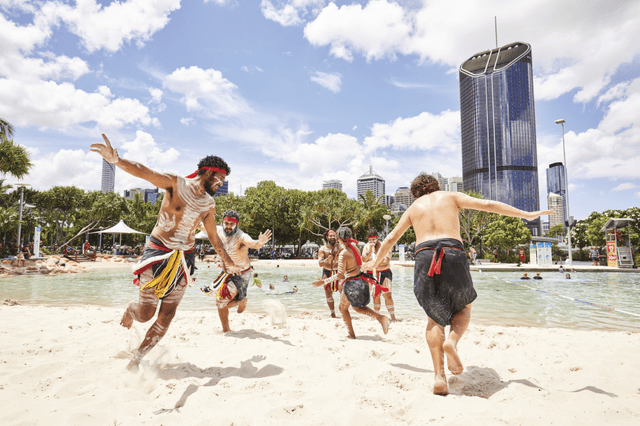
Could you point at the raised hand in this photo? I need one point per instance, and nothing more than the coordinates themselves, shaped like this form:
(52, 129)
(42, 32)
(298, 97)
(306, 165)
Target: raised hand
(264, 238)
(107, 151)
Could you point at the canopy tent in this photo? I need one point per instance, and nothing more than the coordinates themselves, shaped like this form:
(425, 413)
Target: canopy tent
(202, 235)
(310, 245)
(119, 228)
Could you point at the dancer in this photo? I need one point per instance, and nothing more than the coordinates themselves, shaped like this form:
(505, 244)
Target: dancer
(328, 261)
(383, 273)
(168, 260)
(231, 290)
(442, 282)
(355, 289)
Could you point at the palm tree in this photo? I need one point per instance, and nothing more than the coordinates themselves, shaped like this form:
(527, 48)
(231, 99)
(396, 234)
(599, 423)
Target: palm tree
(14, 159)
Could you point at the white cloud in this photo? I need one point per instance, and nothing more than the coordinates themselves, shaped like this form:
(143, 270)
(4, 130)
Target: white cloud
(144, 149)
(110, 27)
(187, 121)
(73, 167)
(637, 194)
(573, 48)
(625, 186)
(438, 133)
(290, 12)
(244, 68)
(327, 80)
(206, 91)
(259, 69)
(156, 95)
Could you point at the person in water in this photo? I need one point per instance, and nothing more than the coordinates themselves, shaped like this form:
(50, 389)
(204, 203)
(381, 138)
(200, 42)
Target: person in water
(169, 258)
(525, 277)
(355, 288)
(537, 277)
(442, 281)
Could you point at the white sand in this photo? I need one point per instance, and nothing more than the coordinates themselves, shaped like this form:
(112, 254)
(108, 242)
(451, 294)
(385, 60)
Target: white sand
(66, 366)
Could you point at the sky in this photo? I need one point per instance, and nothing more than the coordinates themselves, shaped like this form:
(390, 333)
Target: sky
(302, 91)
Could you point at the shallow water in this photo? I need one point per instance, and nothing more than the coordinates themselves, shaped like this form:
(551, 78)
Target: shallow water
(502, 299)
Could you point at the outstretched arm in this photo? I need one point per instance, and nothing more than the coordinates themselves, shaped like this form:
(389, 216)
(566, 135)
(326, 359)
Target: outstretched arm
(263, 238)
(467, 202)
(161, 180)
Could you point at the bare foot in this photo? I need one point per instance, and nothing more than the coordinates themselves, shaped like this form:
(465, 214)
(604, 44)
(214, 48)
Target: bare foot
(133, 366)
(333, 315)
(351, 336)
(440, 386)
(385, 324)
(226, 329)
(453, 360)
(127, 318)
(242, 305)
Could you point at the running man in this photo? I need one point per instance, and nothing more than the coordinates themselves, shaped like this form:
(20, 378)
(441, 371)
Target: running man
(383, 273)
(231, 290)
(355, 289)
(168, 260)
(442, 282)
(328, 261)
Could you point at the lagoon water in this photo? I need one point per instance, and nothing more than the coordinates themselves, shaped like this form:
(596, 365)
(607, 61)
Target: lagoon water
(502, 300)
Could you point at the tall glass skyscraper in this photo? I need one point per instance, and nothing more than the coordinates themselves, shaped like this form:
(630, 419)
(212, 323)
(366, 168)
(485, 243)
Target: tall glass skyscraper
(499, 154)
(108, 176)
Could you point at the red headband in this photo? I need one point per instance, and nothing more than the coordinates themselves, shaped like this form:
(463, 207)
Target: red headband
(230, 219)
(331, 232)
(354, 250)
(215, 169)
(372, 237)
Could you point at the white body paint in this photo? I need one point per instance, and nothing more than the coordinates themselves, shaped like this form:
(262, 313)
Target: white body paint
(232, 246)
(165, 223)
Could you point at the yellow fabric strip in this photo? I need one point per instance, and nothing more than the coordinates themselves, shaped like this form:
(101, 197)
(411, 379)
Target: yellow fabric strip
(162, 282)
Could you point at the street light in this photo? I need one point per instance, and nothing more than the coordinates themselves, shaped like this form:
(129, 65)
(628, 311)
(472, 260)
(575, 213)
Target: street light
(566, 193)
(386, 217)
(21, 185)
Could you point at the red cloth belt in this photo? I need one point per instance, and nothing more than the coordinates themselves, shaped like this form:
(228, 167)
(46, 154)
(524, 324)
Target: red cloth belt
(436, 260)
(377, 288)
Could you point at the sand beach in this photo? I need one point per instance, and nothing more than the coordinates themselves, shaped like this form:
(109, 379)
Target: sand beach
(66, 365)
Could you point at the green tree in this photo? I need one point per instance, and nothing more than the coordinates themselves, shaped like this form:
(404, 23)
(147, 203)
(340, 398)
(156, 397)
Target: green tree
(473, 223)
(370, 215)
(328, 209)
(14, 159)
(6, 129)
(556, 230)
(506, 232)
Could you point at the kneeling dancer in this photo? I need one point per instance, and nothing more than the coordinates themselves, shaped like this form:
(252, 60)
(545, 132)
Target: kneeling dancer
(355, 288)
(442, 282)
(168, 259)
(231, 290)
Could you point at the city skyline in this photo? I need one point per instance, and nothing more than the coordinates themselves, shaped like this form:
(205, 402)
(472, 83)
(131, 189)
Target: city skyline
(293, 92)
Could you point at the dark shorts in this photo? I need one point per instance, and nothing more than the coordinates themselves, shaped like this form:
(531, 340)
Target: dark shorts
(447, 293)
(356, 290)
(331, 286)
(242, 283)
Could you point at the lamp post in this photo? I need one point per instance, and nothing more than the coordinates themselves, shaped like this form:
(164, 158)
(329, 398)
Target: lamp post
(566, 193)
(386, 217)
(100, 244)
(21, 185)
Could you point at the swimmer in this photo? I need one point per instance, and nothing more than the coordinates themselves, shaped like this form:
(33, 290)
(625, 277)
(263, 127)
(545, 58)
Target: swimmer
(355, 289)
(442, 283)
(525, 277)
(568, 277)
(168, 260)
(256, 281)
(537, 277)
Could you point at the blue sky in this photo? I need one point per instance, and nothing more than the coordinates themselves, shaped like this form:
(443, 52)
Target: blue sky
(303, 91)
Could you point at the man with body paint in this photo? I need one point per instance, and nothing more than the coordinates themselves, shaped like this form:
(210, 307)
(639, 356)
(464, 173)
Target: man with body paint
(442, 281)
(383, 274)
(328, 261)
(168, 260)
(231, 290)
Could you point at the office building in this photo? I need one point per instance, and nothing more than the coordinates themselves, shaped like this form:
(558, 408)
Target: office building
(147, 195)
(108, 176)
(333, 183)
(403, 196)
(556, 183)
(387, 200)
(498, 129)
(455, 184)
(556, 203)
(371, 181)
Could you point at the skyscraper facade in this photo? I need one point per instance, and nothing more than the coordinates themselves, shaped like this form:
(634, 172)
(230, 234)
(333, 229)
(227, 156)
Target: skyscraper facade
(371, 181)
(556, 183)
(108, 176)
(556, 204)
(333, 183)
(499, 153)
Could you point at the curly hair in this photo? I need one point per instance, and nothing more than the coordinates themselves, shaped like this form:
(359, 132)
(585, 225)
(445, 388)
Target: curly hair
(213, 161)
(372, 233)
(344, 233)
(231, 213)
(424, 184)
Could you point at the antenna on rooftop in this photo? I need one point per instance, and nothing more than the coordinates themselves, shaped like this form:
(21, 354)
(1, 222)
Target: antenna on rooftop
(495, 18)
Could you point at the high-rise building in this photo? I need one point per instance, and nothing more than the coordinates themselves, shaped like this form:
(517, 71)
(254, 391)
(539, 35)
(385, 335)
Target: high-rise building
(333, 183)
(387, 200)
(403, 196)
(455, 184)
(148, 195)
(222, 189)
(556, 183)
(108, 176)
(498, 128)
(371, 181)
(556, 203)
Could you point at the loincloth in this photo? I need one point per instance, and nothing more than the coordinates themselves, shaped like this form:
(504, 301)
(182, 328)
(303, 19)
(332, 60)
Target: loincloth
(382, 275)
(333, 286)
(356, 289)
(227, 287)
(161, 268)
(442, 285)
